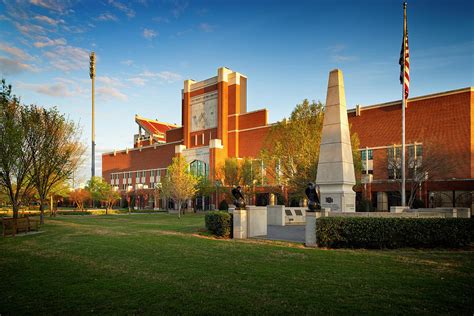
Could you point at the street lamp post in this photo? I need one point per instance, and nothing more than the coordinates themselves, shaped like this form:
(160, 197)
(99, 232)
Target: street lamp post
(92, 76)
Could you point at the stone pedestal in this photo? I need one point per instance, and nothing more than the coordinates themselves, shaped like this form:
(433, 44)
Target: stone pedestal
(256, 221)
(310, 230)
(335, 167)
(240, 224)
(276, 215)
(399, 209)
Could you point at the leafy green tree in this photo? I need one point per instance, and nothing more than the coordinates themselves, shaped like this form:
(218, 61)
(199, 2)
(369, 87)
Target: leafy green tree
(179, 184)
(244, 172)
(100, 190)
(15, 157)
(291, 149)
(56, 149)
(205, 187)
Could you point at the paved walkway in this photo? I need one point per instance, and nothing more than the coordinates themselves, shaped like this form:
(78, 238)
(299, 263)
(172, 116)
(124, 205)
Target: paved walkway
(294, 233)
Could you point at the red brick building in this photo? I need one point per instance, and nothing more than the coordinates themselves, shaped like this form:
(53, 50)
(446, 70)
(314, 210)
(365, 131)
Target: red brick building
(216, 125)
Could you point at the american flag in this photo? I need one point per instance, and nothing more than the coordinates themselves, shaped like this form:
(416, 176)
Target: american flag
(405, 62)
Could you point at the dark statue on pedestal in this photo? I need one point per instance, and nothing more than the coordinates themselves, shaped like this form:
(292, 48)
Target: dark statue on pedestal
(239, 200)
(313, 198)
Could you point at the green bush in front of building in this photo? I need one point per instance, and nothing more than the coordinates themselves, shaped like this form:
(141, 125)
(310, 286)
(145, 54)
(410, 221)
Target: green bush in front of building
(219, 223)
(223, 205)
(367, 232)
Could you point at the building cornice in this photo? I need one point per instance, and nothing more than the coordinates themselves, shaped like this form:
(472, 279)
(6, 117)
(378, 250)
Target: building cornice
(154, 146)
(423, 97)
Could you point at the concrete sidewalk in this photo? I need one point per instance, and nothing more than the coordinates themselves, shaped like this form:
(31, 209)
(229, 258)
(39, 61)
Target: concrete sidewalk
(294, 233)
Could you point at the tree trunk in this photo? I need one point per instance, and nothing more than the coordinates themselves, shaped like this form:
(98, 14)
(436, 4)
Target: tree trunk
(179, 209)
(41, 211)
(15, 210)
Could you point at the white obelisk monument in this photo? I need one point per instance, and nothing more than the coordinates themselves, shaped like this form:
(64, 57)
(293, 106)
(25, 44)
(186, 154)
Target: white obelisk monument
(336, 167)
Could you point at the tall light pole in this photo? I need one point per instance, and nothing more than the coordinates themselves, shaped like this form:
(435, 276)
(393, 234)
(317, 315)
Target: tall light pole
(92, 76)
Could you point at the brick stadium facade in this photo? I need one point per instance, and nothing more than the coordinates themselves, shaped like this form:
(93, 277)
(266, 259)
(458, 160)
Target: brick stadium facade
(216, 125)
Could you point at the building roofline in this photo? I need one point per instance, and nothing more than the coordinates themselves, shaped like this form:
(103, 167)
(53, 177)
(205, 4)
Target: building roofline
(141, 147)
(423, 97)
(154, 121)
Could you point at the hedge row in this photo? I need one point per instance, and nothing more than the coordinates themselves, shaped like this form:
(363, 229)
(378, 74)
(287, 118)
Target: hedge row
(219, 223)
(350, 232)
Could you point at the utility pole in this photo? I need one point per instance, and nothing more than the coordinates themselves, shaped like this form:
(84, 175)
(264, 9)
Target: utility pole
(92, 76)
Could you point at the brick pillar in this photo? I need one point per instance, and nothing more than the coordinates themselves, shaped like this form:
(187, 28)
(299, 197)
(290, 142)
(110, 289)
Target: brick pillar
(223, 106)
(186, 112)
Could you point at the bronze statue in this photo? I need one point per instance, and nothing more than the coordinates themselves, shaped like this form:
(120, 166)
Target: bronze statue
(313, 197)
(239, 200)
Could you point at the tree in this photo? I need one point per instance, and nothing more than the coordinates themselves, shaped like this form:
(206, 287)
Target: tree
(179, 184)
(204, 188)
(245, 172)
(53, 141)
(291, 148)
(100, 190)
(110, 196)
(15, 158)
(59, 191)
(79, 197)
(96, 187)
(423, 162)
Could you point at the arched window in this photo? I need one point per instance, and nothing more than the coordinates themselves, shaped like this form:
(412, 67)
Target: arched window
(199, 168)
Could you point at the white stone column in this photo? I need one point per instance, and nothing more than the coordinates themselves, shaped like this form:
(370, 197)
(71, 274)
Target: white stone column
(310, 230)
(240, 224)
(256, 221)
(335, 167)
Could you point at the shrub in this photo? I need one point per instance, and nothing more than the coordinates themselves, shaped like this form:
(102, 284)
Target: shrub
(223, 206)
(364, 206)
(417, 203)
(219, 223)
(366, 232)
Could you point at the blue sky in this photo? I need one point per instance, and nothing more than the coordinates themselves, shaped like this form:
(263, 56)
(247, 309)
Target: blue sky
(145, 49)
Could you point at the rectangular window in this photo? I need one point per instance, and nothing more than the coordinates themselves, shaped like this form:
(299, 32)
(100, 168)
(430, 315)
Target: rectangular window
(152, 173)
(367, 157)
(394, 166)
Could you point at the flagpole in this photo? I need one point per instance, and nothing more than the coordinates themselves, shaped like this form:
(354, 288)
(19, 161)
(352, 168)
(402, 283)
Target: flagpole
(92, 76)
(404, 105)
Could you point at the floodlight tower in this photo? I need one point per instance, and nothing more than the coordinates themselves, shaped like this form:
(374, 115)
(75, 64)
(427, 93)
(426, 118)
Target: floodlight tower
(92, 76)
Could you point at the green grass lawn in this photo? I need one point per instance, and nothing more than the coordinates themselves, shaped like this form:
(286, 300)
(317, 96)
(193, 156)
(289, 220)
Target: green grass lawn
(144, 264)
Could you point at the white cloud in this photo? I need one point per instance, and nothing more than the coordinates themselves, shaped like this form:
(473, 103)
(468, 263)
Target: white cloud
(10, 67)
(107, 17)
(160, 19)
(337, 48)
(149, 34)
(15, 52)
(46, 41)
(110, 93)
(147, 73)
(179, 8)
(62, 87)
(54, 90)
(109, 81)
(137, 81)
(206, 27)
(337, 54)
(122, 7)
(342, 58)
(48, 20)
(30, 29)
(169, 76)
(127, 62)
(54, 5)
(68, 58)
